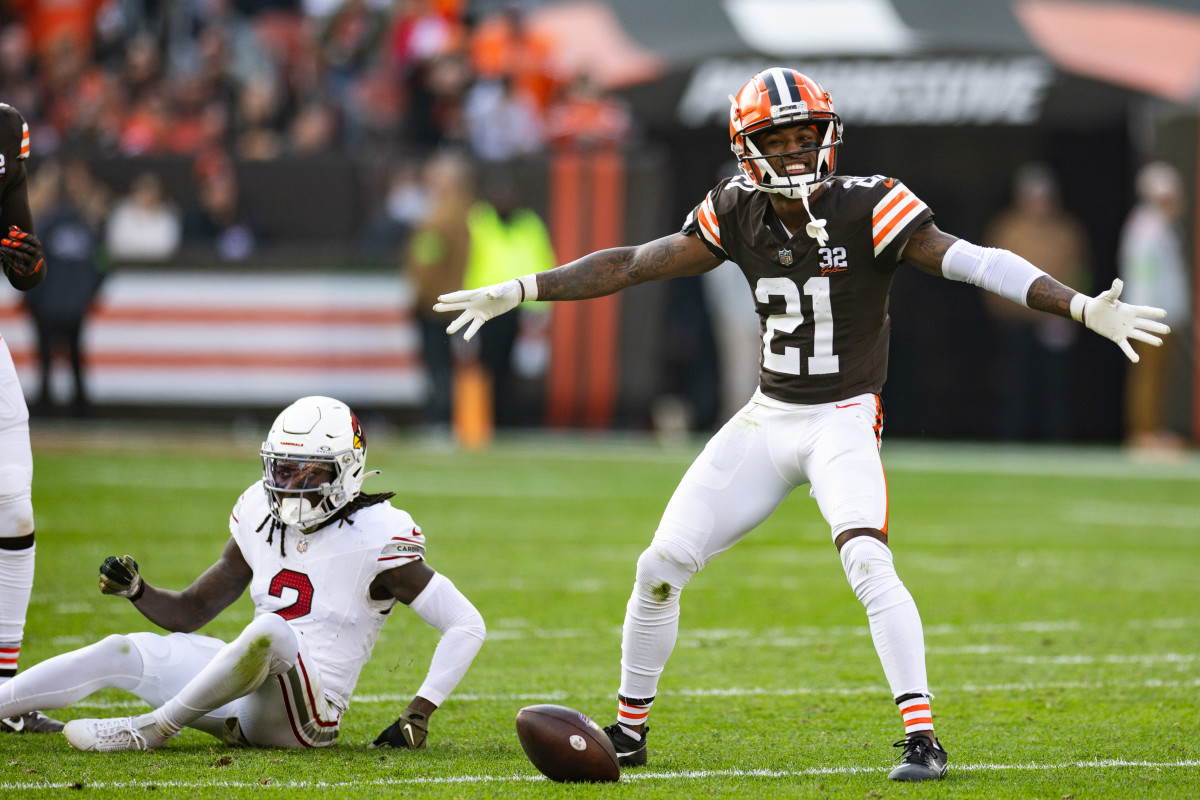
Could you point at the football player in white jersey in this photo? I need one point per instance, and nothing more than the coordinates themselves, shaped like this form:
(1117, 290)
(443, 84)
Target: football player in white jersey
(24, 265)
(325, 564)
(819, 251)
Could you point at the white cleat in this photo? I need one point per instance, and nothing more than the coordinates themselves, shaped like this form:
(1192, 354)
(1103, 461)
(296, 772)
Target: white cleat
(105, 735)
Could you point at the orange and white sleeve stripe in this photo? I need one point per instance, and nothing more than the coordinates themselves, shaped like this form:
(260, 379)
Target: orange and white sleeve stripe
(891, 214)
(707, 223)
(24, 141)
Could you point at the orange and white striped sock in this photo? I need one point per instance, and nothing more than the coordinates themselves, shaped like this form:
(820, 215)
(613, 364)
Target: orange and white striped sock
(10, 652)
(631, 712)
(916, 713)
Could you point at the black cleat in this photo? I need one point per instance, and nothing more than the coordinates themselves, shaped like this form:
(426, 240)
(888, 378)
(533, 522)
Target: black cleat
(922, 760)
(631, 752)
(30, 722)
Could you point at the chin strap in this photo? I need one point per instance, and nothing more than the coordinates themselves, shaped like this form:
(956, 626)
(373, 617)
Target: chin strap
(816, 228)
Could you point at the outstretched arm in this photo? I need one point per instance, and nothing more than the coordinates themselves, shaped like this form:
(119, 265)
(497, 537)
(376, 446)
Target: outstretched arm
(185, 611)
(1011, 276)
(435, 599)
(595, 275)
(607, 271)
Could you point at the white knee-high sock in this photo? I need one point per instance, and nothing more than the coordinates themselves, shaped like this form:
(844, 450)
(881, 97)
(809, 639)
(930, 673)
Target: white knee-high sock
(16, 584)
(895, 624)
(266, 647)
(652, 617)
(60, 681)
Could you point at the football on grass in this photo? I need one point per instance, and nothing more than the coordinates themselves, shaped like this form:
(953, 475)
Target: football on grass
(566, 746)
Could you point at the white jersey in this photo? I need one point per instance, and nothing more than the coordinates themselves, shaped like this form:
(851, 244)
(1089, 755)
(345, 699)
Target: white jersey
(320, 582)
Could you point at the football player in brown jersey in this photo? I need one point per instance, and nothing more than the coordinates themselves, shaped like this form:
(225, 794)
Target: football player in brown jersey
(24, 266)
(819, 251)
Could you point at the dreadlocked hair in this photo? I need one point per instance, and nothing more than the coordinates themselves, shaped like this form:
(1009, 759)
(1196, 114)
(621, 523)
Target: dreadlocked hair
(271, 532)
(344, 515)
(364, 500)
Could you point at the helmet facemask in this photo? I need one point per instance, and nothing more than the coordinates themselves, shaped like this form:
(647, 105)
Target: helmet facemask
(305, 492)
(759, 169)
(313, 462)
(777, 98)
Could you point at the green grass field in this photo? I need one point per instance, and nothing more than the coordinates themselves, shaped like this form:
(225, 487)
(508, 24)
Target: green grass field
(1060, 590)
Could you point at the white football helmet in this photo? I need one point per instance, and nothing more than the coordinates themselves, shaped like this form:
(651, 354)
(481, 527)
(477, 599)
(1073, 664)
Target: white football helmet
(313, 462)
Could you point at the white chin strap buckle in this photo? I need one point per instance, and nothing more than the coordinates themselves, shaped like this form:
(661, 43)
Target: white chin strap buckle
(816, 229)
(293, 509)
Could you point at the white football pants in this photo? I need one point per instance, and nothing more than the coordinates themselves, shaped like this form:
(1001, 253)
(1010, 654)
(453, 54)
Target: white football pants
(16, 513)
(258, 690)
(746, 470)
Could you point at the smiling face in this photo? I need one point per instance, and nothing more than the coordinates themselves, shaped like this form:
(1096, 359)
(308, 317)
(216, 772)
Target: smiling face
(785, 114)
(791, 149)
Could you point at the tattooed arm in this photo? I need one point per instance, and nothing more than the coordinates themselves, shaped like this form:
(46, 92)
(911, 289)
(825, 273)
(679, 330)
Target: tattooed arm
(1012, 277)
(594, 275)
(926, 250)
(608, 271)
(209, 595)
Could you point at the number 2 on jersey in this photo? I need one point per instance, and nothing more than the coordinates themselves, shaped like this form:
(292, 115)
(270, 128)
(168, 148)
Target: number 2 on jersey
(298, 581)
(822, 361)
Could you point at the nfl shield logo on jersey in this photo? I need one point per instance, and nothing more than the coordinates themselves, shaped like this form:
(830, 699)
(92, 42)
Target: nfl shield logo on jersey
(785, 257)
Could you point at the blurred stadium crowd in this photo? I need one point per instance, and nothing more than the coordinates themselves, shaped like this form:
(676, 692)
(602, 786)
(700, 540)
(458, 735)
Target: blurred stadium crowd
(262, 79)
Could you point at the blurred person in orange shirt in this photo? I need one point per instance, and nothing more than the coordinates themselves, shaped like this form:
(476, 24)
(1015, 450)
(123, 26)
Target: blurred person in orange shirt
(505, 45)
(48, 23)
(588, 117)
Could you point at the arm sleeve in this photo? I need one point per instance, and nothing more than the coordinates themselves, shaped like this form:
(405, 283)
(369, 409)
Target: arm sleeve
(444, 607)
(999, 271)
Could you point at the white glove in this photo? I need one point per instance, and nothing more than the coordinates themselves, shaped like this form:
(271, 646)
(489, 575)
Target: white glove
(1119, 321)
(480, 305)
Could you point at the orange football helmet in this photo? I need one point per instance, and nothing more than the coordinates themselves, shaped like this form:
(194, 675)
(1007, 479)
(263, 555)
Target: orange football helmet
(780, 97)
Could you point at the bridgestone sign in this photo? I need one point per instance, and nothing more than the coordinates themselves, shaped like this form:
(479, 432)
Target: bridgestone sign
(927, 91)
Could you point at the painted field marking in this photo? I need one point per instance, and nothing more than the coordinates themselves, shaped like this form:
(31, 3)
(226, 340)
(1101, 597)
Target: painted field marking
(803, 633)
(638, 776)
(735, 691)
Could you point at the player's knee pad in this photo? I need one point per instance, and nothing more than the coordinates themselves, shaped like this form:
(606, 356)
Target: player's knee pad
(119, 645)
(663, 569)
(268, 640)
(16, 508)
(872, 575)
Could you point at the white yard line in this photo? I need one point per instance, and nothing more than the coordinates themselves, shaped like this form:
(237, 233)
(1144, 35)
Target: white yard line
(519, 630)
(631, 776)
(735, 691)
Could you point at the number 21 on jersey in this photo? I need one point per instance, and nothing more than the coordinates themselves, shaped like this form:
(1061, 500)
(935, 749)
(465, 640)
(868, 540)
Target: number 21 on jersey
(822, 361)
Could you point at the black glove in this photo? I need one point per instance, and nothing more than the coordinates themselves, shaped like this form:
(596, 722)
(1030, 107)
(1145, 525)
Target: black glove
(22, 258)
(120, 576)
(409, 731)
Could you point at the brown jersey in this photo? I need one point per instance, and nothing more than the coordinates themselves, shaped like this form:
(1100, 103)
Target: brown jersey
(822, 309)
(14, 149)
